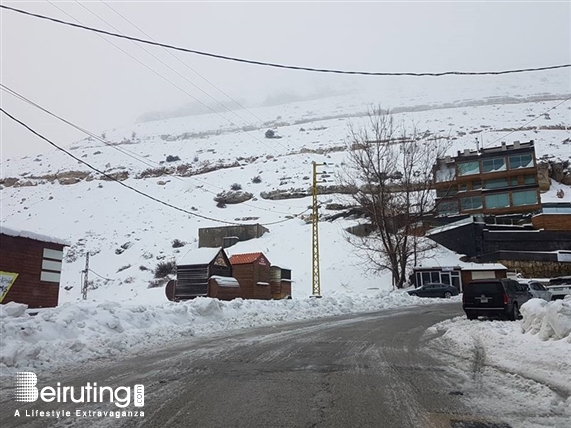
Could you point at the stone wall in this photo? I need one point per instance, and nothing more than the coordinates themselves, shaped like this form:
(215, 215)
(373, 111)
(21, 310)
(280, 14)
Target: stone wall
(213, 237)
(538, 269)
(556, 170)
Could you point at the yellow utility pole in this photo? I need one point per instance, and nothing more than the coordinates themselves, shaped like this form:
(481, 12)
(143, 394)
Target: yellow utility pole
(316, 284)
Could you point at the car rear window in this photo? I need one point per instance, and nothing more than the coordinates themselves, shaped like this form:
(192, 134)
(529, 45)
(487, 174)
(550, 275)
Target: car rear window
(484, 287)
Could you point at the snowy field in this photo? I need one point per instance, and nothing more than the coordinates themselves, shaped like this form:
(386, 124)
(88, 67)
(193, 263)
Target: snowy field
(127, 235)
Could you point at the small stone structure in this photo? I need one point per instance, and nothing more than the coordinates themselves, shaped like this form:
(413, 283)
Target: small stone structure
(216, 237)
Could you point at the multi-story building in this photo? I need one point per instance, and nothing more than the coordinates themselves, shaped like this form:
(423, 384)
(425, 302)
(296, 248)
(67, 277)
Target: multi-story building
(496, 180)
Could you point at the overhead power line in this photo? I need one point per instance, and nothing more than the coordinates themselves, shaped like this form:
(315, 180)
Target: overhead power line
(184, 63)
(111, 177)
(283, 66)
(182, 76)
(126, 152)
(132, 188)
(167, 79)
(527, 123)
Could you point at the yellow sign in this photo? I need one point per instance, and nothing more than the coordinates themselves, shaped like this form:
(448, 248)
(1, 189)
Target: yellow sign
(7, 279)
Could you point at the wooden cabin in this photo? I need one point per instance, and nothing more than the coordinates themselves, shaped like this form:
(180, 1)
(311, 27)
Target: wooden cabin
(252, 270)
(30, 268)
(195, 270)
(280, 282)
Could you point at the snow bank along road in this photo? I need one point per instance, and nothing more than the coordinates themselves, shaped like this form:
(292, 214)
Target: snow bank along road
(367, 370)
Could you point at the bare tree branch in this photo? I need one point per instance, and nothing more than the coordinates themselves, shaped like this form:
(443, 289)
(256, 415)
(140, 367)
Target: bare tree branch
(391, 166)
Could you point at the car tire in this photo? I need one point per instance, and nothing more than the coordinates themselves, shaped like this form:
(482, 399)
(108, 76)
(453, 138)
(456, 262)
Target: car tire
(447, 295)
(414, 294)
(472, 316)
(514, 313)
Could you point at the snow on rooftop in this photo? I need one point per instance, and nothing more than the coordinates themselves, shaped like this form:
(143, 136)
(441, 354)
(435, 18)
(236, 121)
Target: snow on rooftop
(225, 281)
(197, 256)
(451, 226)
(31, 235)
(481, 266)
(443, 257)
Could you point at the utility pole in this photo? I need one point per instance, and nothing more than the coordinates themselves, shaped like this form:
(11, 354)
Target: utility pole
(85, 272)
(316, 282)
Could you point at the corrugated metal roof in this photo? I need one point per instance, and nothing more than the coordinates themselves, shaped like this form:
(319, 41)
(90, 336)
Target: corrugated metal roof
(243, 259)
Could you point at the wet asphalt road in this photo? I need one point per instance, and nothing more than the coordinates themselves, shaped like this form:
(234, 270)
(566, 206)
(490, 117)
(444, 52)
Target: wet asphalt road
(368, 370)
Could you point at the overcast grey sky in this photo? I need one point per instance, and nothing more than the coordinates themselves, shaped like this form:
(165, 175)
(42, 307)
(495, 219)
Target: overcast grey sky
(85, 79)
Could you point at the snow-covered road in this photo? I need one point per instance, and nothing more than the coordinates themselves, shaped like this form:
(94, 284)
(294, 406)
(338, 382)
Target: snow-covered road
(517, 371)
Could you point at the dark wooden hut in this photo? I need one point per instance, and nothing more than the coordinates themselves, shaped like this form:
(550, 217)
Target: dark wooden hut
(196, 268)
(30, 268)
(252, 270)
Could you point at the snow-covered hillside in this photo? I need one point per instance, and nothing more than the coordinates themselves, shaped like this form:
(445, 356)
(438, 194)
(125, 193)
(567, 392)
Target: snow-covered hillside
(128, 234)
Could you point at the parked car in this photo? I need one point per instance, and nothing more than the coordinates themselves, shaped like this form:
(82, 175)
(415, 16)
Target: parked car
(434, 289)
(537, 290)
(559, 287)
(494, 297)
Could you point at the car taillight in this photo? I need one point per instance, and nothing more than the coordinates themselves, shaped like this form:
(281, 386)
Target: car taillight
(505, 299)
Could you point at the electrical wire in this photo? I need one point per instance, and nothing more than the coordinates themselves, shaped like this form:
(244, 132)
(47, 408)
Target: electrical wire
(169, 81)
(110, 177)
(168, 66)
(527, 123)
(32, 103)
(127, 186)
(102, 277)
(283, 66)
(184, 63)
(124, 151)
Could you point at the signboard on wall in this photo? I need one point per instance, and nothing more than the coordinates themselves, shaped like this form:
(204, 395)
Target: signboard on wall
(564, 256)
(7, 279)
(483, 274)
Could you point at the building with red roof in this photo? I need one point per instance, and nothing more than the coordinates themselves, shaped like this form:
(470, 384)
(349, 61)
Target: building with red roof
(252, 270)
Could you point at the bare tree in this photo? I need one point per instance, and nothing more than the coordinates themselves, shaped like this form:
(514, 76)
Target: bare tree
(390, 165)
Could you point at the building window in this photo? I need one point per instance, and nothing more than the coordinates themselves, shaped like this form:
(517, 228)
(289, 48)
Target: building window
(462, 187)
(529, 179)
(469, 168)
(476, 184)
(513, 181)
(526, 197)
(447, 207)
(442, 193)
(445, 173)
(521, 161)
(471, 203)
(499, 200)
(496, 183)
(492, 165)
(557, 210)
